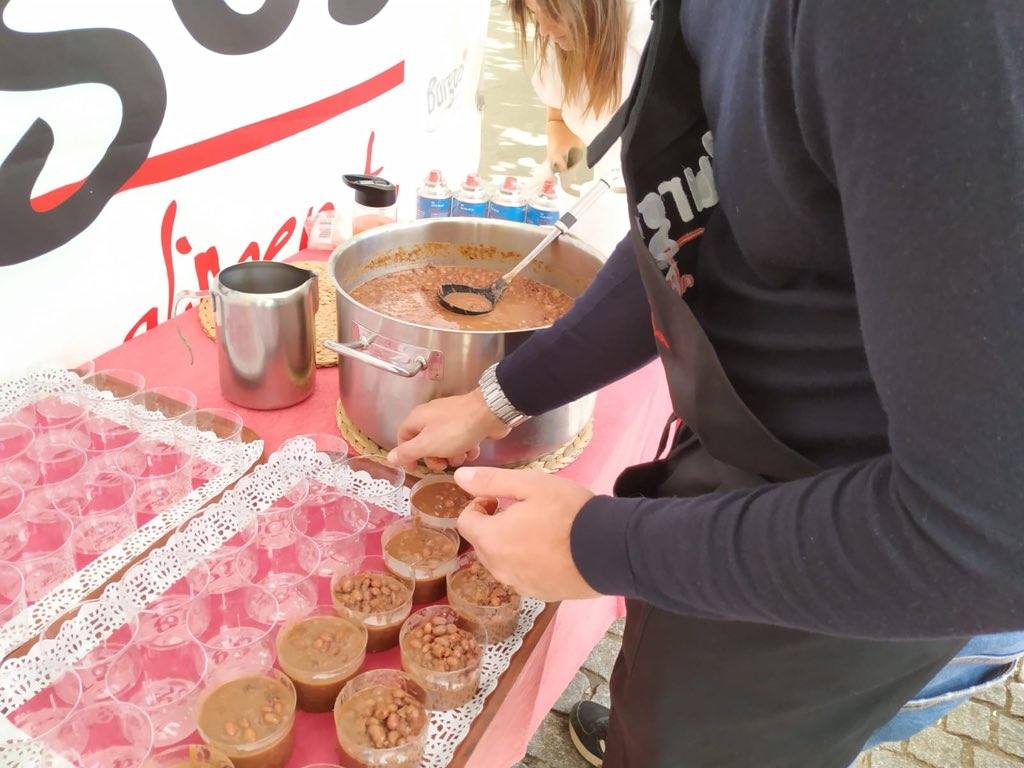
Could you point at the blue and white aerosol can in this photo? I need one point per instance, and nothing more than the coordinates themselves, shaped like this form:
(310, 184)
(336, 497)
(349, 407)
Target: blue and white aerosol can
(433, 198)
(508, 203)
(543, 208)
(471, 199)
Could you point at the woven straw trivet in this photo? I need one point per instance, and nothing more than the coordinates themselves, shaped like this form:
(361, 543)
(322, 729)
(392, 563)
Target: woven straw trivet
(549, 462)
(326, 317)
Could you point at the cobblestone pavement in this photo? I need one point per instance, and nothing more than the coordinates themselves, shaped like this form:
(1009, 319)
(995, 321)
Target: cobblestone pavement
(985, 733)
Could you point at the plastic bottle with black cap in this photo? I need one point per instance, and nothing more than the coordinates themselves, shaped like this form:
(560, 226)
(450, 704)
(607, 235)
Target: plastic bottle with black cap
(375, 201)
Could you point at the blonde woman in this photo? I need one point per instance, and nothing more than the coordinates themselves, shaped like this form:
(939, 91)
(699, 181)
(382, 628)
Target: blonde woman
(587, 53)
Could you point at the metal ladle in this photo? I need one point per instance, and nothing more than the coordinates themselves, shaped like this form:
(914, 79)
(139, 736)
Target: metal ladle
(476, 300)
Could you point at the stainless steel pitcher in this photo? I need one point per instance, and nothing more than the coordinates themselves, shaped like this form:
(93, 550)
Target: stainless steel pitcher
(266, 336)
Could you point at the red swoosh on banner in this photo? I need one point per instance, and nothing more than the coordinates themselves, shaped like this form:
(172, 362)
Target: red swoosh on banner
(237, 142)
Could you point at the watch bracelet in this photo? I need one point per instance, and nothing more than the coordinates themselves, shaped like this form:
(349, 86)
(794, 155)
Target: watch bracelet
(496, 400)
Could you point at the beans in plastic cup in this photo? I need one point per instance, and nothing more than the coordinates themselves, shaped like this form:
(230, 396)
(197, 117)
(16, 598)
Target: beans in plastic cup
(481, 600)
(426, 555)
(250, 717)
(320, 652)
(380, 718)
(383, 613)
(442, 652)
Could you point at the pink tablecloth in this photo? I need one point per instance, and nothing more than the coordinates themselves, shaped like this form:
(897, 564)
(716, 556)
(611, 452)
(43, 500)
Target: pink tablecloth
(627, 425)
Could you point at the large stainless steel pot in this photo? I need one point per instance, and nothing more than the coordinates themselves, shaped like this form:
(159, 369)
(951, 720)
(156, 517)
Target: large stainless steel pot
(390, 366)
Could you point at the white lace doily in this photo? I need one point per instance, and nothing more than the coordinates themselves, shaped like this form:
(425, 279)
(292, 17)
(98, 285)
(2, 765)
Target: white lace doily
(232, 460)
(21, 678)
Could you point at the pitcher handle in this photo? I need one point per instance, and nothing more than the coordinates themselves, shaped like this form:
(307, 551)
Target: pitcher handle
(181, 296)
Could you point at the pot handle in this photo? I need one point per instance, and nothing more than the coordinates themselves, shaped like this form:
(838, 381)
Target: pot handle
(181, 296)
(353, 350)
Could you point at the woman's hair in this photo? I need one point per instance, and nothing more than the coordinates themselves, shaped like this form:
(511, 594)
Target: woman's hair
(591, 72)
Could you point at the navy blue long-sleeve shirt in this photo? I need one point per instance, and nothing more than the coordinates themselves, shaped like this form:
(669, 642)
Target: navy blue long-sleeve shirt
(862, 280)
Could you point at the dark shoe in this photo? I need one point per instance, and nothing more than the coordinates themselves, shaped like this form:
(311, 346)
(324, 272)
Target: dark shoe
(588, 728)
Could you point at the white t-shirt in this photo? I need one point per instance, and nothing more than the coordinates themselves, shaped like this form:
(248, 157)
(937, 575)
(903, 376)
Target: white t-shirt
(548, 84)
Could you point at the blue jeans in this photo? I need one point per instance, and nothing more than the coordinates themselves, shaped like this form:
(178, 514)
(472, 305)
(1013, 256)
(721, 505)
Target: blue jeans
(986, 660)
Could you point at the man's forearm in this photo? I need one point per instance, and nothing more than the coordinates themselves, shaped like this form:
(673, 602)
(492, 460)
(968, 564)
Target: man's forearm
(863, 551)
(606, 335)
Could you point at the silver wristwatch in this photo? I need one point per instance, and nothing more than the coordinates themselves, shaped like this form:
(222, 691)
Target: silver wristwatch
(496, 401)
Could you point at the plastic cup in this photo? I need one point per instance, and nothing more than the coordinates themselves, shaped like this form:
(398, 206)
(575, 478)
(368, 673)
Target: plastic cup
(51, 459)
(336, 522)
(12, 592)
(336, 449)
(120, 383)
(162, 472)
(110, 391)
(53, 412)
(429, 572)
(15, 438)
(442, 516)
(498, 621)
(11, 497)
(155, 414)
(107, 734)
(92, 668)
(108, 422)
(357, 699)
(249, 715)
(320, 652)
(234, 562)
(188, 756)
(100, 501)
(451, 687)
(46, 558)
(216, 426)
(276, 518)
(165, 620)
(383, 625)
(42, 715)
(380, 485)
(100, 440)
(165, 681)
(13, 537)
(287, 566)
(235, 627)
(157, 405)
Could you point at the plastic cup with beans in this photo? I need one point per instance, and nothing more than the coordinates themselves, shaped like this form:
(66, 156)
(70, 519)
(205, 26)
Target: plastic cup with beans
(482, 600)
(320, 652)
(373, 596)
(250, 717)
(381, 719)
(442, 652)
(426, 555)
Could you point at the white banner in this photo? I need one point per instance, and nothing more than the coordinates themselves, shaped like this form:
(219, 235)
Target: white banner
(147, 143)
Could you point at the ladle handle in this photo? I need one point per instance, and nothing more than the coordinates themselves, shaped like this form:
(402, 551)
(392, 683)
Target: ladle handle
(563, 225)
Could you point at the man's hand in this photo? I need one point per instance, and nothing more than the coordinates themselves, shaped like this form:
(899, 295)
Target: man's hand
(527, 544)
(446, 432)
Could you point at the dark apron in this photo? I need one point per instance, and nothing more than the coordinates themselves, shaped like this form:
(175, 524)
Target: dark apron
(691, 692)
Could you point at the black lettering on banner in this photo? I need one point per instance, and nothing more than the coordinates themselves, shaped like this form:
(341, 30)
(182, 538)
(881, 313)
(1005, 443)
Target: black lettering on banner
(38, 61)
(353, 12)
(221, 29)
